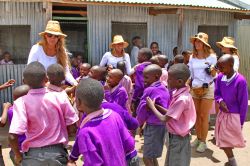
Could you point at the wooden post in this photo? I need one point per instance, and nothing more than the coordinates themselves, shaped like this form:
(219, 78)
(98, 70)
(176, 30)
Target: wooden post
(47, 6)
(180, 30)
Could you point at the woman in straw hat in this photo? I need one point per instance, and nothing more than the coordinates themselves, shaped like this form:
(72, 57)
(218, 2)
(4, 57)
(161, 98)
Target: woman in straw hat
(227, 47)
(51, 49)
(202, 75)
(117, 54)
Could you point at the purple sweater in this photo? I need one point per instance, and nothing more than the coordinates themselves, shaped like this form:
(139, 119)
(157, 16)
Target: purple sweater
(234, 94)
(21, 138)
(103, 140)
(118, 96)
(139, 83)
(129, 121)
(161, 95)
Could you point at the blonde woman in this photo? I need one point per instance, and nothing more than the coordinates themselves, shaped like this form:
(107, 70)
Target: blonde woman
(51, 49)
(227, 47)
(117, 54)
(202, 82)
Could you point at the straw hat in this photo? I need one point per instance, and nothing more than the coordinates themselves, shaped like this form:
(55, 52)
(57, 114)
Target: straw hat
(53, 27)
(203, 37)
(227, 42)
(117, 40)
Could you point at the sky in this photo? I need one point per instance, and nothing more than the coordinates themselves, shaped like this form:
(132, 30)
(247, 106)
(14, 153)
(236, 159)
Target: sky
(246, 1)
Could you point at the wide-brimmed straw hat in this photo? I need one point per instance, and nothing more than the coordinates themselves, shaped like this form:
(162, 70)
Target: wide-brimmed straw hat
(117, 40)
(227, 42)
(53, 27)
(203, 37)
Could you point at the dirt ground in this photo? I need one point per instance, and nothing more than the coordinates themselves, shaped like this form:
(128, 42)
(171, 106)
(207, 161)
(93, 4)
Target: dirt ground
(213, 155)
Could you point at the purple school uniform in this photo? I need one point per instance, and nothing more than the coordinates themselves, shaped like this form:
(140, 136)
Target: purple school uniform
(22, 137)
(139, 83)
(104, 140)
(130, 122)
(158, 92)
(234, 94)
(117, 95)
(75, 72)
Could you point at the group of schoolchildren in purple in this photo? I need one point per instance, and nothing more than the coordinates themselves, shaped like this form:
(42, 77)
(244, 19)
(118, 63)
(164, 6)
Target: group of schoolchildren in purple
(108, 109)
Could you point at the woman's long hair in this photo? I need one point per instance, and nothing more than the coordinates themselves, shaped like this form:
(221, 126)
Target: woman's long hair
(234, 52)
(61, 55)
(207, 51)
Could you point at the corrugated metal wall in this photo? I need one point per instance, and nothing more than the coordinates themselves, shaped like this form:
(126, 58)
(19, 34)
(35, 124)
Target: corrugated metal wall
(24, 13)
(161, 28)
(244, 49)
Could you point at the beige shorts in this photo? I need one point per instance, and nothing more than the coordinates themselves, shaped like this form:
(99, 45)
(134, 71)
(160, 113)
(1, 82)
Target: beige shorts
(208, 95)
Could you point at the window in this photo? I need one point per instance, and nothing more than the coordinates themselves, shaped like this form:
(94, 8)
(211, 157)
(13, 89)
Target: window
(129, 30)
(16, 40)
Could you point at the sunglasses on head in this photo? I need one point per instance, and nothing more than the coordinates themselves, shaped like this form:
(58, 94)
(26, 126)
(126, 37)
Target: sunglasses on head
(199, 36)
(51, 35)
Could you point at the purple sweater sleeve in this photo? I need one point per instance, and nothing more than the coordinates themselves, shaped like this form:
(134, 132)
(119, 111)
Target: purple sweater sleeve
(121, 99)
(217, 92)
(131, 122)
(242, 98)
(142, 113)
(75, 151)
(107, 95)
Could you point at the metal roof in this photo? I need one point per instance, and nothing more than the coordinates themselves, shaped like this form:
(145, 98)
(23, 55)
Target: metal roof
(216, 4)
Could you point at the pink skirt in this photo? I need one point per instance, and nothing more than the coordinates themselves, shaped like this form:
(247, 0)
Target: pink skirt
(228, 131)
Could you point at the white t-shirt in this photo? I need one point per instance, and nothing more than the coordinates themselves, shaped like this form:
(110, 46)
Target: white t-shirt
(236, 63)
(197, 69)
(37, 54)
(109, 59)
(134, 55)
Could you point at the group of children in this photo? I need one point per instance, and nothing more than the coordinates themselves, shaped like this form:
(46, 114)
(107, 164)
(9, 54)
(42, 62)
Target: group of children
(112, 108)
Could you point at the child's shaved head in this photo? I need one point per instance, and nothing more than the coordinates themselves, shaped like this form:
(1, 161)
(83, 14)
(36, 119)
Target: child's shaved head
(122, 66)
(98, 73)
(154, 60)
(90, 92)
(117, 73)
(226, 58)
(178, 59)
(56, 74)
(20, 91)
(35, 75)
(153, 69)
(180, 71)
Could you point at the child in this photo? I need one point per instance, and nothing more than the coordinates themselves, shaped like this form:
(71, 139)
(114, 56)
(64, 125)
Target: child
(145, 54)
(126, 82)
(178, 59)
(44, 121)
(231, 93)
(8, 113)
(163, 61)
(154, 132)
(102, 137)
(186, 55)
(74, 67)
(98, 73)
(137, 44)
(180, 116)
(6, 59)
(84, 71)
(114, 91)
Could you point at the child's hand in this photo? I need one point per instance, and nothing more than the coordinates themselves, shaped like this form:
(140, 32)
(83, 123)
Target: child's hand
(71, 163)
(106, 87)
(223, 106)
(150, 103)
(8, 83)
(18, 159)
(6, 105)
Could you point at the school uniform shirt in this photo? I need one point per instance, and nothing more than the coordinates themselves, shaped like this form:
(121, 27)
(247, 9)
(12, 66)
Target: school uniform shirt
(130, 122)
(103, 140)
(22, 137)
(197, 70)
(158, 92)
(75, 72)
(109, 59)
(139, 83)
(117, 95)
(182, 112)
(126, 82)
(164, 77)
(234, 93)
(37, 54)
(3, 62)
(43, 116)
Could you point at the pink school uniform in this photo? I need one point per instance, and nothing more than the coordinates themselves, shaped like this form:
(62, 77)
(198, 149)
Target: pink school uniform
(164, 77)
(126, 82)
(182, 111)
(45, 120)
(234, 93)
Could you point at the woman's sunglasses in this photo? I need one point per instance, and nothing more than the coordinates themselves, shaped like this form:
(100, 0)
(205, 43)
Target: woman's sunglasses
(51, 35)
